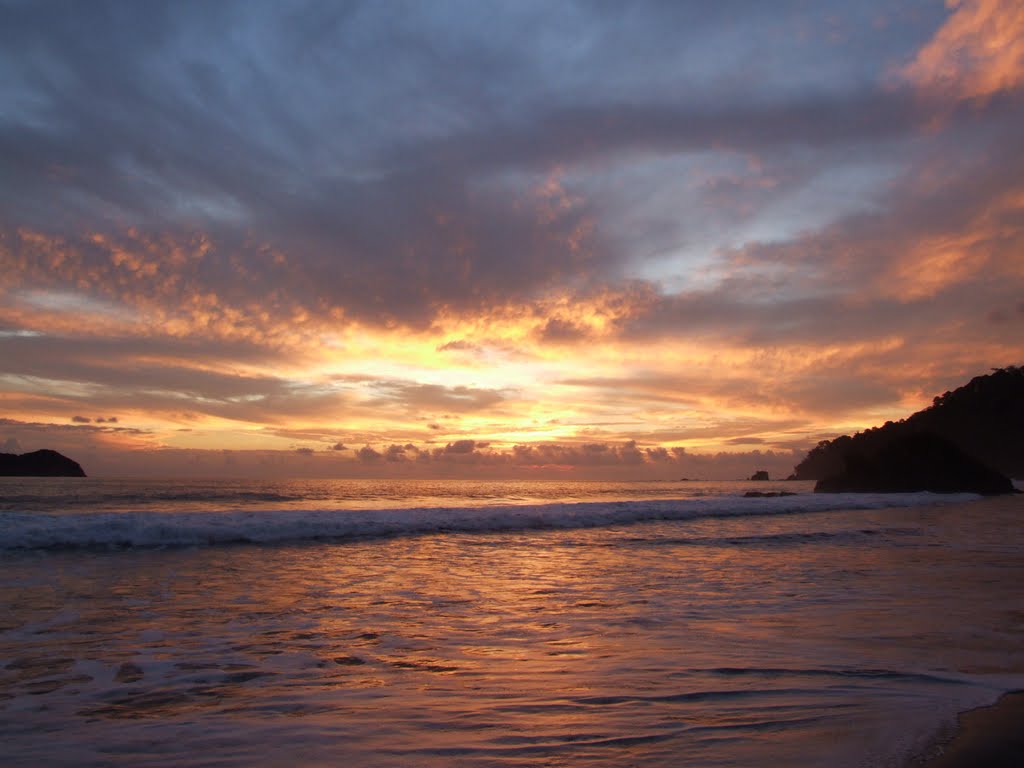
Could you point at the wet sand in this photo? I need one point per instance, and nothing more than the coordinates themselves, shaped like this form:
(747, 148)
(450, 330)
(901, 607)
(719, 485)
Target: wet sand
(987, 737)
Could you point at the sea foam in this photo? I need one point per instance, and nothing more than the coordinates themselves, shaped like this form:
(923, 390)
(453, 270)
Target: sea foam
(115, 530)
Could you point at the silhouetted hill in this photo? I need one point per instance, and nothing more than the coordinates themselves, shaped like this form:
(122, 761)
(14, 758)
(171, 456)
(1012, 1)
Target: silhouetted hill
(918, 461)
(44, 463)
(984, 419)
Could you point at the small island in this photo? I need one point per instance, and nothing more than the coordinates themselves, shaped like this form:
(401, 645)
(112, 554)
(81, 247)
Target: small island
(42, 463)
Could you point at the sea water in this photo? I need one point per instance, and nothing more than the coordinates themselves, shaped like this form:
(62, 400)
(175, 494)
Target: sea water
(454, 623)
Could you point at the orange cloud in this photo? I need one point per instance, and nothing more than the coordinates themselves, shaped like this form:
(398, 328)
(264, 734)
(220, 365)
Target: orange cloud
(976, 54)
(988, 246)
(132, 284)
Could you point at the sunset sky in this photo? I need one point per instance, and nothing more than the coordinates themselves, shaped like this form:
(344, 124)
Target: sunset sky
(517, 239)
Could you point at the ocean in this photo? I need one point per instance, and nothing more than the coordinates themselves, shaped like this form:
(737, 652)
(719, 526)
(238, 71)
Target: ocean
(452, 623)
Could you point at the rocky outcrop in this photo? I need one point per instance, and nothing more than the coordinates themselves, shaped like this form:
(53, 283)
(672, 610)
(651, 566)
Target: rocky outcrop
(984, 418)
(914, 462)
(761, 474)
(44, 463)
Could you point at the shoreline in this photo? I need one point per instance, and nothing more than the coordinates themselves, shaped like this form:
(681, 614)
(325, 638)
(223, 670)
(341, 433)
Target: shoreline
(243, 652)
(992, 737)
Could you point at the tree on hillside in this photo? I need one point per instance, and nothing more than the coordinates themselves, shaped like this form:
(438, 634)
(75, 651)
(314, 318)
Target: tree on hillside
(984, 418)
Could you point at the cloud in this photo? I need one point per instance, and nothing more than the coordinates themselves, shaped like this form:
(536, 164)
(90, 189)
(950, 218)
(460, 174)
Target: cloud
(397, 453)
(978, 52)
(585, 455)
(560, 331)
(361, 225)
(462, 446)
(169, 364)
(458, 345)
(368, 454)
(161, 375)
(315, 209)
(436, 397)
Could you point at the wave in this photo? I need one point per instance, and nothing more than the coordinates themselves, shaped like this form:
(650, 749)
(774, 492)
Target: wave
(147, 497)
(849, 536)
(117, 530)
(841, 673)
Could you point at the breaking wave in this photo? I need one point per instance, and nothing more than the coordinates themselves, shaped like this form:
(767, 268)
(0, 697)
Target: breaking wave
(131, 529)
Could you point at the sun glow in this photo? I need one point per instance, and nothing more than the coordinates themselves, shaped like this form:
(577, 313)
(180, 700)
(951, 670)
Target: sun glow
(612, 273)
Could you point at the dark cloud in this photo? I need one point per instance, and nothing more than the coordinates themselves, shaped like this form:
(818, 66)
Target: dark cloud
(833, 388)
(108, 361)
(267, 136)
(435, 397)
(458, 345)
(942, 241)
(199, 201)
(368, 454)
(586, 460)
(108, 372)
(586, 455)
(542, 460)
(659, 454)
(77, 428)
(559, 331)
(397, 453)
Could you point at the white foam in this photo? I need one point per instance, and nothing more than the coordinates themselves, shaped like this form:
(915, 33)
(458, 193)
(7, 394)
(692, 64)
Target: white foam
(111, 530)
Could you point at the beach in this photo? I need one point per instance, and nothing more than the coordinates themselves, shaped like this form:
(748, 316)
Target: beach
(642, 626)
(411, 384)
(991, 736)
(987, 736)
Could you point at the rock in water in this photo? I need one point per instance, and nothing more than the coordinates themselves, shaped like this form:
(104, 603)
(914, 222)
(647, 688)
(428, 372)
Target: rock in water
(915, 462)
(44, 463)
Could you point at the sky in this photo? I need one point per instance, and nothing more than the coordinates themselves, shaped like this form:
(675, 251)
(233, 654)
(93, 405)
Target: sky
(500, 239)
